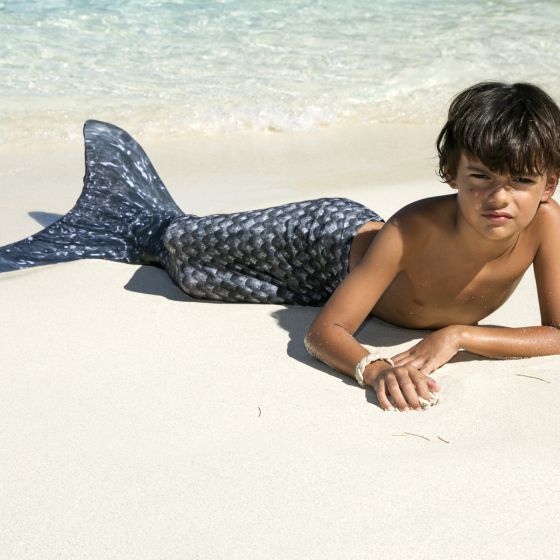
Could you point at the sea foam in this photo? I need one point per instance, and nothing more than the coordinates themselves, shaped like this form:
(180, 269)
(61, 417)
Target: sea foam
(214, 66)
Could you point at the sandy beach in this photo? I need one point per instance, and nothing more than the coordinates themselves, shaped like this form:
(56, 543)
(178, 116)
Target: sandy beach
(138, 423)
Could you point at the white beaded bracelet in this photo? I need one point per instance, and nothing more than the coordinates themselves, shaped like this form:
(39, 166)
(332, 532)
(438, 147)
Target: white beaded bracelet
(364, 362)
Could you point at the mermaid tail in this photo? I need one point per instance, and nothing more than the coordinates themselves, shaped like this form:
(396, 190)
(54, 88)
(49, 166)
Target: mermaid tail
(296, 253)
(121, 214)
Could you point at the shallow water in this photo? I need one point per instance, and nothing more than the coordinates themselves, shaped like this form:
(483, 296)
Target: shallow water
(212, 66)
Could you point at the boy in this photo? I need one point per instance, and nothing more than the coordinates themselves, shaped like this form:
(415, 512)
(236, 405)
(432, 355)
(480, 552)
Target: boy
(445, 263)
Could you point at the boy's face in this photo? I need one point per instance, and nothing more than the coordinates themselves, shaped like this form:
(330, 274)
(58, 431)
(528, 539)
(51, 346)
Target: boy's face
(498, 206)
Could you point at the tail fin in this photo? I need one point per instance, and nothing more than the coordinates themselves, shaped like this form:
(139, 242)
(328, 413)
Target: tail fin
(121, 214)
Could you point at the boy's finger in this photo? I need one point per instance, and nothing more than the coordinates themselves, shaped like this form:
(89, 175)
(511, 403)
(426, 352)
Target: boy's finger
(402, 357)
(433, 384)
(394, 389)
(403, 392)
(411, 360)
(422, 388)
(430, 365)
(384, 402)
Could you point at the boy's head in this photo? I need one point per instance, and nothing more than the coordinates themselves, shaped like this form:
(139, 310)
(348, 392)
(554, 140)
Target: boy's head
(512, 129)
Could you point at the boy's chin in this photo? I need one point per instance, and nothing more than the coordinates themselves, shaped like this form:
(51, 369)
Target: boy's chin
(500, 233)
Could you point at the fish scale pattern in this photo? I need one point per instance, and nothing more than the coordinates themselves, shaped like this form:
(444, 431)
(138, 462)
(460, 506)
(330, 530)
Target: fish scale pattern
(121, 214)
(296, 253)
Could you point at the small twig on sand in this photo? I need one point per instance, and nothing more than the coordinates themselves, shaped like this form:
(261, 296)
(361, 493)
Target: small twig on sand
(416, 435)
(420, 436)
(532, 377)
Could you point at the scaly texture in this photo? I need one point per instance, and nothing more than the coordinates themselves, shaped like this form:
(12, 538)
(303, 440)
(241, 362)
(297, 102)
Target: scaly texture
(121, 214)
(296, 253)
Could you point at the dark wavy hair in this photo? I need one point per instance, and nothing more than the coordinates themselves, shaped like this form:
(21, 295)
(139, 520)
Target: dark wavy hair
(512, 129)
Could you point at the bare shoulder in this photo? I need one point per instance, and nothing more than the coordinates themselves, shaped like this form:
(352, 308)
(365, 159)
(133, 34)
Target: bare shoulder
(548, 211)
(427, 208)
(424, 217)
(546, 222)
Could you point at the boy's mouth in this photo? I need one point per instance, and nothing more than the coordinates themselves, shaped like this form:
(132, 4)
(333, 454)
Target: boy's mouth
(497, 217)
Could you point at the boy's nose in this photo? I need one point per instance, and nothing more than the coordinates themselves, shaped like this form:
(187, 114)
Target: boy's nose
(500, 191)
(499, 197)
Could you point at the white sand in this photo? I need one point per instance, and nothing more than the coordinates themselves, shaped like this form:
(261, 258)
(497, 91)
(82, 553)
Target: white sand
(138, 424)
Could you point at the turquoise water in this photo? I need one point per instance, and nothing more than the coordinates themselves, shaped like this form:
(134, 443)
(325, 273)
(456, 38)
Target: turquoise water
(212, 66)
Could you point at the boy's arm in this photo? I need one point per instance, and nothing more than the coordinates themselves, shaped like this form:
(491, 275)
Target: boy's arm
(330, 337)
(529, 341)
(492, 342)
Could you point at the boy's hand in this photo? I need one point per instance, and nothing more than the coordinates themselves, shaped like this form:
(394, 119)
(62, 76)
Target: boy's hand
(403, 384)
(431, 352)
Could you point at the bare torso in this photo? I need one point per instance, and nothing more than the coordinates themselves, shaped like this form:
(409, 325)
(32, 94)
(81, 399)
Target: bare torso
(438, 285)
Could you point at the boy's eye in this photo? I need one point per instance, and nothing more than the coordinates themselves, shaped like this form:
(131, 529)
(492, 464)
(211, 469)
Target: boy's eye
(479, 176)
(524, 180)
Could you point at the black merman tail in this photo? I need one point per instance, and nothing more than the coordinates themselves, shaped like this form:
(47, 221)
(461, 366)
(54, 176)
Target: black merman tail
(296, 253)
(121, 214)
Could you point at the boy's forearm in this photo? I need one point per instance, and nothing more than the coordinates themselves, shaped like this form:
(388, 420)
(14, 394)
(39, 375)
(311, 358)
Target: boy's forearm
(337, 348)
(503, 342)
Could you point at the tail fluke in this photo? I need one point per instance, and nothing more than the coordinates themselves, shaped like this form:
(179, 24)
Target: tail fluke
(121, 214)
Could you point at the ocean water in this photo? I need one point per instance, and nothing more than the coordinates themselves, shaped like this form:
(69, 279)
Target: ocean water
(210, 66)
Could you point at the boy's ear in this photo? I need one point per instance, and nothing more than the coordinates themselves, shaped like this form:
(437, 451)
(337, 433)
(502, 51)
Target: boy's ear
(447, 178)
(551, 182)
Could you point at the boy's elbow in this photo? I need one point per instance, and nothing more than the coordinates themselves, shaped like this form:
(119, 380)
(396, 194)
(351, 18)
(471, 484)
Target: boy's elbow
(315, 339)
(555, 329)
(550, 342)
(320, 336)
(310, 341)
